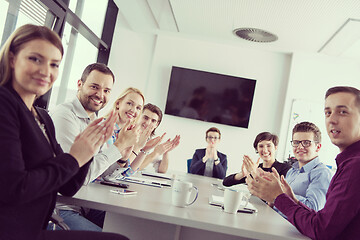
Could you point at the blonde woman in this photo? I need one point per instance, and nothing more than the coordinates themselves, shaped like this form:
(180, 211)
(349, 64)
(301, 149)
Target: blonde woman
(128, 107)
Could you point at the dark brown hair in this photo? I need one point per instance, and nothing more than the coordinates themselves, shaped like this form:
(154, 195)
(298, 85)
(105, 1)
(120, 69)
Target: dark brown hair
(345, 89)
(308, 127)
(213, 129)
(155, 109)
(265, 136)
(98, 67)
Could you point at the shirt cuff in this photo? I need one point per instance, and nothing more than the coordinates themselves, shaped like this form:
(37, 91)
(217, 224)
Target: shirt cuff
(113, 154)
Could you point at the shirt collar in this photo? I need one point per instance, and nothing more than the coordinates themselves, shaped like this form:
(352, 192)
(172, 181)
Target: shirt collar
(307, 167)
(350, 151)
(79, 110)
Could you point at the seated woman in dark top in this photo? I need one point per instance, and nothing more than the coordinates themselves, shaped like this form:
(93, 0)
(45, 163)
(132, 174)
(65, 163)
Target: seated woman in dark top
(208, 161)
(33, 167)
(265, 145)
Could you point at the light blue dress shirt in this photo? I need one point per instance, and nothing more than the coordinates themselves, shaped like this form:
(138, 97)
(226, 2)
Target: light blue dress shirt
(310, 183)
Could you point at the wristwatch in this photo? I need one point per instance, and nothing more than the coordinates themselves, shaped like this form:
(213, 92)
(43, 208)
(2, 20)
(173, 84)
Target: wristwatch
(144, 152)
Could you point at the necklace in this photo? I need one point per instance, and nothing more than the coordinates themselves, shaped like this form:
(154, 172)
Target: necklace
(37, 119)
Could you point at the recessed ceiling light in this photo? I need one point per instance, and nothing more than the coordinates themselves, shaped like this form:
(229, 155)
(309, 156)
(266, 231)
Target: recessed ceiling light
(255, 35)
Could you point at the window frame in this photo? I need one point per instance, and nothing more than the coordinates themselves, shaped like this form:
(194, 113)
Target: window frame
(63, 14)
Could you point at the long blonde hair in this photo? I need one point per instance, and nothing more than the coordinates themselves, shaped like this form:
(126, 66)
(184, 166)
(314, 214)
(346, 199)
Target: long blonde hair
(123, 95)
(15, 42)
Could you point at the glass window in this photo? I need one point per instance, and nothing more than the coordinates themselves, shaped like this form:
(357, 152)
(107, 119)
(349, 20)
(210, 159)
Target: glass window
(91, 12)
(21, 12)
(79, 53)
(4, 5)
(31, 11)
(78, 50)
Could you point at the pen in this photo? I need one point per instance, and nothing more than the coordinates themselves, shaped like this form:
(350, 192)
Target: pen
(115, 191)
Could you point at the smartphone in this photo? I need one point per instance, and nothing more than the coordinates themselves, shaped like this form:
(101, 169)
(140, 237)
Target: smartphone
(115, 184)
(123, 192)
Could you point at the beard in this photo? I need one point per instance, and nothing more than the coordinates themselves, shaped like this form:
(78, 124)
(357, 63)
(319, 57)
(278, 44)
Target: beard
(87, 102)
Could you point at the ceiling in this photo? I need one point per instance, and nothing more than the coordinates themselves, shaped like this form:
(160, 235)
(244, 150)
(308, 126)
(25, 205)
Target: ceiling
(329, 27)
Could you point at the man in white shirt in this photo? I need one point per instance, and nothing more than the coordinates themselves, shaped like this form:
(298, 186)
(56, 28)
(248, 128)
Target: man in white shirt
(71, 118)
(151, 117)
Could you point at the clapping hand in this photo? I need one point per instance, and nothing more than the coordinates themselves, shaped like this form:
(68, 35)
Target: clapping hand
(266, 186)
(163, 147)
(174, 143)
(249, 165)
(153, 143)
(88, 142)
(143, 138)
(128, 136)
(211, 152)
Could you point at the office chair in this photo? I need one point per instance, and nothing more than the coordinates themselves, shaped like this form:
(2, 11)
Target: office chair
(58, 221)
(188, 164)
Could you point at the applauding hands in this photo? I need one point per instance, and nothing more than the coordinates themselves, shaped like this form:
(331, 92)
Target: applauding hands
(88, 142)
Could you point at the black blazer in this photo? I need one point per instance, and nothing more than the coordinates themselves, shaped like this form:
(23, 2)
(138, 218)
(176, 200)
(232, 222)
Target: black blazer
(198, 167)
(282, 169)
(32, 170)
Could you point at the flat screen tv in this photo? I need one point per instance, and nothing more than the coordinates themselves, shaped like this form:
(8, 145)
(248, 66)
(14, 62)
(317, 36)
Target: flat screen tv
(210, 97)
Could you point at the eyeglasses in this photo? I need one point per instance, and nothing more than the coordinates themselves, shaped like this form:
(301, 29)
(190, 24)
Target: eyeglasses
(304, 143)
(211, 138)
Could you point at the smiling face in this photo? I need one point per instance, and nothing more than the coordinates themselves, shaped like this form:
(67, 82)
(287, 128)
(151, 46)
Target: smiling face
(129, 108)
(305, 154)
(95, 91)
(266, 150)
(342, 119)
(149, 119)
(35, 68)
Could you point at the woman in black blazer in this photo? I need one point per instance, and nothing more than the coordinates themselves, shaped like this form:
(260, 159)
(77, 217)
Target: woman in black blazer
(208, 161)
(33, 168)
(265, 144)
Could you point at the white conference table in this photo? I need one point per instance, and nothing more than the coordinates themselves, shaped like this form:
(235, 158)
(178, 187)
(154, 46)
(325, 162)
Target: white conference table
(150, 215)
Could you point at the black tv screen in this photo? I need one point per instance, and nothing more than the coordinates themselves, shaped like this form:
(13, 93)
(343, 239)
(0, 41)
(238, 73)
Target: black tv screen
(210, 97)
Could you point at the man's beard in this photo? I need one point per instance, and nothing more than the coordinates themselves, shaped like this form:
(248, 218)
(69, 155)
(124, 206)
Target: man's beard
(88, 104)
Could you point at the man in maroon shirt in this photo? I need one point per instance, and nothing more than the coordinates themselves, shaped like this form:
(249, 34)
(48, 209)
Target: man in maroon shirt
(340, 218)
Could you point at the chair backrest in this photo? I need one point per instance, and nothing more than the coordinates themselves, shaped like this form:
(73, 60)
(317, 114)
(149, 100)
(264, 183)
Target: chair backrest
(188, 164)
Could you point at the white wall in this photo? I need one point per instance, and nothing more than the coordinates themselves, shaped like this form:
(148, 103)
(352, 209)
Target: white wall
(144, 61)
(310, 76)
(269, 69)
(130, 60)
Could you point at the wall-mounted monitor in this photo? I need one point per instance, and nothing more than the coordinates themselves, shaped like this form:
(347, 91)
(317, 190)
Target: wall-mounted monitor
(210, 97)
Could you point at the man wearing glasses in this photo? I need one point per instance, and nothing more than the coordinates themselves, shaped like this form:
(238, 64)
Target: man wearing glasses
(309, 178)
(340, 217)
(208, 161)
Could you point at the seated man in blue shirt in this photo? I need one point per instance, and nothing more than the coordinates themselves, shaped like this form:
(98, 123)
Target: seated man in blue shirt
(309, 178)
